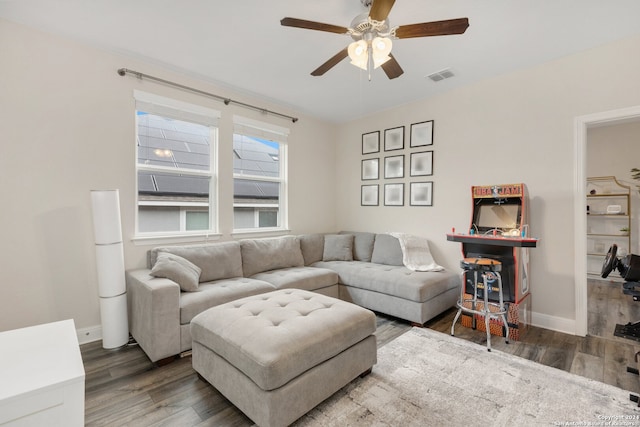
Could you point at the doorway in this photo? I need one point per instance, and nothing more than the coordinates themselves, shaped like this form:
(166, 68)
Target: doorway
(582, 124)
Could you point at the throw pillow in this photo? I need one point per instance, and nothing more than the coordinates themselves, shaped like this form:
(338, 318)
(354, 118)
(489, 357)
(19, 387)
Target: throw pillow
(182, 271)
(338, 247)
(386, 250)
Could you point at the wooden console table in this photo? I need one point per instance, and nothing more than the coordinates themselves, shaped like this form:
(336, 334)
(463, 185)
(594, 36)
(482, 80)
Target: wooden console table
(41, 376)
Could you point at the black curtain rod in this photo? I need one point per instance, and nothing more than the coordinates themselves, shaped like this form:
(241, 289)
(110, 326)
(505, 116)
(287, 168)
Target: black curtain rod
(227, 101)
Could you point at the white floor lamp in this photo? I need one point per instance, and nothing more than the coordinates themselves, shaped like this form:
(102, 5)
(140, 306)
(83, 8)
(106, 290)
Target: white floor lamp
(110, 266)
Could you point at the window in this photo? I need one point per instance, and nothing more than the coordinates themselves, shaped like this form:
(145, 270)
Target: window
(176, 182)
(259, 175)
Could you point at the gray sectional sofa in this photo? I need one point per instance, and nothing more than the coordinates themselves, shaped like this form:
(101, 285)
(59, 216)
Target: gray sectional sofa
(363, 268)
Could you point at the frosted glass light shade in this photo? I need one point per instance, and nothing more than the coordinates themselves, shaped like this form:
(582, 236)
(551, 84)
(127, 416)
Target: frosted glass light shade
(381, 46)
(106, 216)
(358, 54)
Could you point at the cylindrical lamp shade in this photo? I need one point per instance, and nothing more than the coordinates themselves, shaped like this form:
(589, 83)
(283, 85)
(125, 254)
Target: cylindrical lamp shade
(110, 268)
(115, 328)
(106, 216)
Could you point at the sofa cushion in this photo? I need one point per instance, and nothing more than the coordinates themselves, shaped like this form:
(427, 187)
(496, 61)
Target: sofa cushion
(219, 292)
(386, 250)
(312, 247)
(180, 270)
(399, 281)
(362, 244)
(269, 254)
(338, 247)
(216, 260)
(306, 278)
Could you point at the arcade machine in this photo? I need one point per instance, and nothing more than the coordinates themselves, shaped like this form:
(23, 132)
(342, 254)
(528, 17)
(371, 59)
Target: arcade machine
(499, 230)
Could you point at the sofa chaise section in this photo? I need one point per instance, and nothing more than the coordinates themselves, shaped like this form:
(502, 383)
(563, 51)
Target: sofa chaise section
(378, 280)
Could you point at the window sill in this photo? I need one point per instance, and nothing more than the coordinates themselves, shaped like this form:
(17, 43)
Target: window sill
(257, 232)
(155, 239)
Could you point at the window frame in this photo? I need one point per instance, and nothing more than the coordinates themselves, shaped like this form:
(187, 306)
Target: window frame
(258, 129)
(192, 113)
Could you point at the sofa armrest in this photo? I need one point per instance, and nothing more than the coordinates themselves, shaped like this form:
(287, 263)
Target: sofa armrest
(154, 313)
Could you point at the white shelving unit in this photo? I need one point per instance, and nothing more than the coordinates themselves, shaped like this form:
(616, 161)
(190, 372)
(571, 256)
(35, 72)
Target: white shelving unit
(608, 221)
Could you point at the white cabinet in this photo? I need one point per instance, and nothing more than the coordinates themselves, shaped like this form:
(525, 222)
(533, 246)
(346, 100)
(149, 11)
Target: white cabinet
(608, 221)
(41, 376)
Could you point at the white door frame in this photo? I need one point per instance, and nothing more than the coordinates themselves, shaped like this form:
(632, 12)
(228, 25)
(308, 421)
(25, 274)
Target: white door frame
(582, 123)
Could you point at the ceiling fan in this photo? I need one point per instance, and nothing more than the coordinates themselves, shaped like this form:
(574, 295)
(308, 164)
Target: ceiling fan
(372, 36)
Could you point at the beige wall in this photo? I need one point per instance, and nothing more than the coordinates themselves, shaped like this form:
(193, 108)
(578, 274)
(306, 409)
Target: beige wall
(67, 126)
(614, 150)
(514, 128)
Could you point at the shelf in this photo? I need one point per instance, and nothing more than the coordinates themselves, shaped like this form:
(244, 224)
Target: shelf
(603, 228)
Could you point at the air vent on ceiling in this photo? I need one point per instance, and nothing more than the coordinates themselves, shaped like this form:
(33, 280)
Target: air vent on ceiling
(441, 75)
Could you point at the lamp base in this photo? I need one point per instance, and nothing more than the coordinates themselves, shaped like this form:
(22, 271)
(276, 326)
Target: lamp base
(115, 323)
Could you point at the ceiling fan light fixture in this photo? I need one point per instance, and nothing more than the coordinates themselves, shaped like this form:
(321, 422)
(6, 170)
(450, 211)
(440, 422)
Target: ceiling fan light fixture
(358, 54)
(381, 46)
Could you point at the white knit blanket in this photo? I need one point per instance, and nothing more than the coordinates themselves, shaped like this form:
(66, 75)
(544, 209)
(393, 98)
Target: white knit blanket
(416, 255)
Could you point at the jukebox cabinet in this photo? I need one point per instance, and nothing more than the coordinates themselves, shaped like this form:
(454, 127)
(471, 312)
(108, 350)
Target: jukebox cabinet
(499, 230)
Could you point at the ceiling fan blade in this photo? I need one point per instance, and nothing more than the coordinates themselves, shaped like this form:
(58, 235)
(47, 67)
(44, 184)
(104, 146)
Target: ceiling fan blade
(380, 9)
(332, 62)
(391, 68)
(436, 28)
(312, 25)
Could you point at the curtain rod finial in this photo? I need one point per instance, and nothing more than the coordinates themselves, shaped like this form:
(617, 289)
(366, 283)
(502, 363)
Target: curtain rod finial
(122, 71)
(294, 119)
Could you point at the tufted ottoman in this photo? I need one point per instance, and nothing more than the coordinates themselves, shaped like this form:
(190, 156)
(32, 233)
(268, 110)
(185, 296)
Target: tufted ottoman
(277, 355)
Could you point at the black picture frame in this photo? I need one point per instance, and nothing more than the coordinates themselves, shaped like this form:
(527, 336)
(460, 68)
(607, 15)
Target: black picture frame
(371, 142)
(421, 163)
(394, 139)
(394, 194)
(369, 195)
(421, 134)
(421, 193)
(394, 167)
(370, 169)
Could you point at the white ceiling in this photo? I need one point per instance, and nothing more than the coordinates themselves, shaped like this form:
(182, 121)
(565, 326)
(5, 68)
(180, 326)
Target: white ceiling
(241, 44)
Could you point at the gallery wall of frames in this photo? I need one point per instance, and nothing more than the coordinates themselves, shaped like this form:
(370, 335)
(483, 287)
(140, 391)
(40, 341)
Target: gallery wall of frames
(388, 158)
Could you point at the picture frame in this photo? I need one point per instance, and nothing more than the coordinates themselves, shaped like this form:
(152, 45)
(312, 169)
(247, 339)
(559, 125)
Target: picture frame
(394, 194)
(421, 134)
(371, 142)
(369, 195)
(421, 193)
(394, 167)
(370, 169)
(394, 139)
(421, 163)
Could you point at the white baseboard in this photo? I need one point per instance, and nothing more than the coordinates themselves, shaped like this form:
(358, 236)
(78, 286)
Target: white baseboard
(559, 324)
(90, 334)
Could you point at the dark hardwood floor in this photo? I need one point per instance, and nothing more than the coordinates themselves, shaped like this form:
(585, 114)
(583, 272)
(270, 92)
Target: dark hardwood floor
(124, 388)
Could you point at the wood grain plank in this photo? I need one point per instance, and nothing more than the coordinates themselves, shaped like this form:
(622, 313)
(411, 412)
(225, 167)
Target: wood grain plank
(124, 388)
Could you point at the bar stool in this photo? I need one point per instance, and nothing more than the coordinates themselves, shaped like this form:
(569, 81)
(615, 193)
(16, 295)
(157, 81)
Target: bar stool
(487, 268)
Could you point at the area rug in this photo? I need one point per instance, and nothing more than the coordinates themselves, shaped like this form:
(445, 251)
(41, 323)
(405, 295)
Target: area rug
(427, 378)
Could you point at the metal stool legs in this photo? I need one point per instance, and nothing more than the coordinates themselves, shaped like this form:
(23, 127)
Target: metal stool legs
(500, 313)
